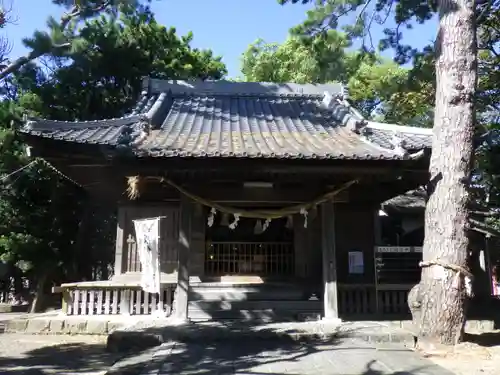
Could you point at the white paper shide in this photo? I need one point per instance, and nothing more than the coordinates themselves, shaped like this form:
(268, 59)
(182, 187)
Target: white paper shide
(147, 233)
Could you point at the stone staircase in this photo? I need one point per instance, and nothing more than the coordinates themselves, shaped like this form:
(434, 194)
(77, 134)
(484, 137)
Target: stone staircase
(252, 302)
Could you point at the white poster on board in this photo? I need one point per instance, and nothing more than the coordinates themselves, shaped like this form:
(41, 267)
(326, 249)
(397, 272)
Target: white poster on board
(356, 262)
(147, 232)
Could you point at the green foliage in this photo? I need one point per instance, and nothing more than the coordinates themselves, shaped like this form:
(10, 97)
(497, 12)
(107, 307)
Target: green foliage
(90, 85)
(414, 101)
(41, 211)
(375, 84)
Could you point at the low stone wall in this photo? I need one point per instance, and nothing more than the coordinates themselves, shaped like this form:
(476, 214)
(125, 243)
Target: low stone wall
(9, 308)
(101, 325)
(64, 326)
(470, 325)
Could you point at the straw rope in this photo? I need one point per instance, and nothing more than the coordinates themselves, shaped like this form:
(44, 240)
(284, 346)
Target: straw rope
(263, 214)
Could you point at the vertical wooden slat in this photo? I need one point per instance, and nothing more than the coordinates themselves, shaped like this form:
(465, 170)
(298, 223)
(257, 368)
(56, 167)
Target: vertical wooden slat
(91, 301)
(100, 302)
(84, 302)
(114, 306)
(138, 302)
(154, 303)
(76, 302)
(147, 303)
(107, 302)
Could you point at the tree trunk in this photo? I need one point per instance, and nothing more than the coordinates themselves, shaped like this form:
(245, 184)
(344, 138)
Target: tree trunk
(39, 301)
(442, 290)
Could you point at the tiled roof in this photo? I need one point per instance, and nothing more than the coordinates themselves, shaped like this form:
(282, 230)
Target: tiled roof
(411, 201)
(239, 119)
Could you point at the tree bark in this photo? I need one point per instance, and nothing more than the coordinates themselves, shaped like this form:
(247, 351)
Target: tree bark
(443, 290)
(39, 301)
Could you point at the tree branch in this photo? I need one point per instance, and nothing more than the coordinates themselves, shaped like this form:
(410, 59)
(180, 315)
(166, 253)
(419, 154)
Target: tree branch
(75, 12)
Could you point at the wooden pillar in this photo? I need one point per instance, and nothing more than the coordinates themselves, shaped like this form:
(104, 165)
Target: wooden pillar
(120, 249)
(182, 291)
(329, 262)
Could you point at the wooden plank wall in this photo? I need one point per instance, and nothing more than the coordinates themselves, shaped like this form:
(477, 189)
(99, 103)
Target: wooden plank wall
(354, 226)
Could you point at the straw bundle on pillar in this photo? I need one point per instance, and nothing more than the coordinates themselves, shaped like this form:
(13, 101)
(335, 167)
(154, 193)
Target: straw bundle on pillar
(134, 185)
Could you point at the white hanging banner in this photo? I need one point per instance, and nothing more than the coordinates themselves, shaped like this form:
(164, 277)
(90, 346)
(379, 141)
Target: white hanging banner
(147, 232)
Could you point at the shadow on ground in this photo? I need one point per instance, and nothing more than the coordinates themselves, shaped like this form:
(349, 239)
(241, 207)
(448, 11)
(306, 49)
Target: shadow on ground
(70, 358)
(225, 349)
(237, 349)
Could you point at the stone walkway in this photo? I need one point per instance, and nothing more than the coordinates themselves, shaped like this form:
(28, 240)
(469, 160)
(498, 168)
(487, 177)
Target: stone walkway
(277, 357)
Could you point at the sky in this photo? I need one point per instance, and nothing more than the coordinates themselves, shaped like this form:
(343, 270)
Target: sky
(225, 26)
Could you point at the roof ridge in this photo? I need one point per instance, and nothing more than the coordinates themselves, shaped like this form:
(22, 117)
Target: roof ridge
(40, 124)
(399, 128)
(155, 86)
(181, 94)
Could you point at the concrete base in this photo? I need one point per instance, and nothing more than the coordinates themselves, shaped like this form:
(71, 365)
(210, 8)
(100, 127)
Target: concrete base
(332, 321)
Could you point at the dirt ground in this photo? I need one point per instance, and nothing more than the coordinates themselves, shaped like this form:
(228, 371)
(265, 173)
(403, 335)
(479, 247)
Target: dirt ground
(479, 355)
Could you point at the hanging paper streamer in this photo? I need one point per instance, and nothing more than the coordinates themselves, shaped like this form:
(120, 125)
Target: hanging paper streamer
(303, 212)
(234, 224)
(211, 217)
(266, 224)
(147, 232)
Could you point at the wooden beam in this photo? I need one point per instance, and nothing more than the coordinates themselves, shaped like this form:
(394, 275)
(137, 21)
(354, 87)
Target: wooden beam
(330, 294)
(120, 254)
(181, 299)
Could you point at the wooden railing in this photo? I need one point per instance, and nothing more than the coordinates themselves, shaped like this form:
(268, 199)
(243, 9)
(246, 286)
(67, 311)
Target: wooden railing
(366, 299)
(107, 298)
(250, 258)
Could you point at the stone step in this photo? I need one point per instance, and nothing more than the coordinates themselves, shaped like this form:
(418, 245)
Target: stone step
(240, 315)
(253, 310)
(257, 305)
(253, 292)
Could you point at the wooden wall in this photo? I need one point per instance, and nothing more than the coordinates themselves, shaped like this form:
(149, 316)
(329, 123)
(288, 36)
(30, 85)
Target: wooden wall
(307, 243)
(355, 227)
(126, 250)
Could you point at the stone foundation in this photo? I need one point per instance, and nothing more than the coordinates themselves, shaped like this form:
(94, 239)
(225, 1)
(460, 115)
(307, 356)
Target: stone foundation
(62, 325)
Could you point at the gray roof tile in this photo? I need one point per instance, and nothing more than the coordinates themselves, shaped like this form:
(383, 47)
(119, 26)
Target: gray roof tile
(236, 119)
(413, 138)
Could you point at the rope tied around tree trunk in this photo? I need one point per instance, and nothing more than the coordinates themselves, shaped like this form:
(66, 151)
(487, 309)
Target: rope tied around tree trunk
(459, 270)
(448, 266)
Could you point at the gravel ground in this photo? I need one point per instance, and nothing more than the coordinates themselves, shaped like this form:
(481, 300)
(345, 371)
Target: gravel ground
(44, 355)
(472, 359)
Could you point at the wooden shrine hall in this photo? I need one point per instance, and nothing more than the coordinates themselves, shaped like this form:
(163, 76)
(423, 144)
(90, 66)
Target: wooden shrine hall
(267, 195)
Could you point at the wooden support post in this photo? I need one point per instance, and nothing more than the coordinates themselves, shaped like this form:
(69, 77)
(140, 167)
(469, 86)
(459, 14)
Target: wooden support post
(67, 302)
(120, 249)
(182, 291)
(329, 262)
